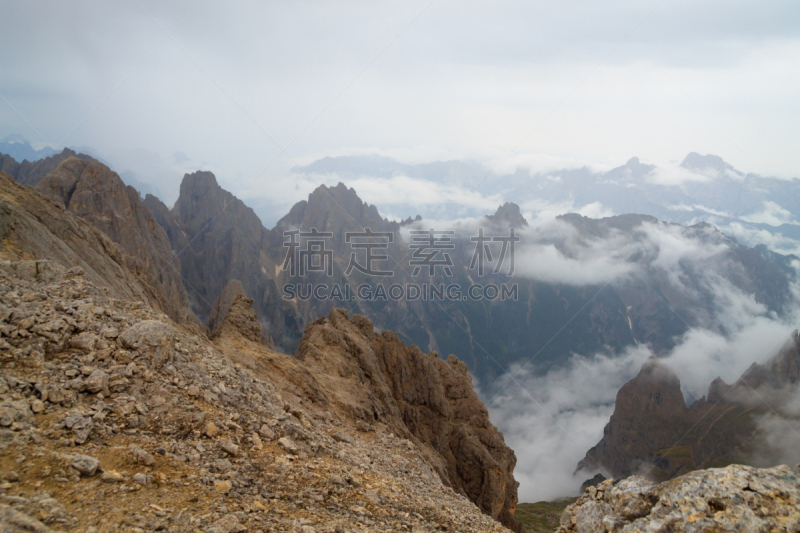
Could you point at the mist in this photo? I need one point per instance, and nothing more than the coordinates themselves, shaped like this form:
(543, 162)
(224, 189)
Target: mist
(551, 418)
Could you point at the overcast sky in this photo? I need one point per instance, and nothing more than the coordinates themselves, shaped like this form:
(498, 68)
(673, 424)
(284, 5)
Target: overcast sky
(235, 85)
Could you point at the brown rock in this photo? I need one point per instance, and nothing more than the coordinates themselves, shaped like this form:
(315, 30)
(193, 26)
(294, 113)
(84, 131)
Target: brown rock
(222, 485)
(90, 190)
(223, 303)
(424, 398)
(241, 319)
(32, 227)
(211, 430)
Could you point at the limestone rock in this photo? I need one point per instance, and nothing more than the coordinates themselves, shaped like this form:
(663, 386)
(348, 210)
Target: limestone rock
(14, 521)
(30, 172)
(14, 411)
(32, 227)
(240, 319)
(152, 338)
(430, 400)
(736, 498)
(223, 303)
(90, 190)
(85, 464)
(227, 524)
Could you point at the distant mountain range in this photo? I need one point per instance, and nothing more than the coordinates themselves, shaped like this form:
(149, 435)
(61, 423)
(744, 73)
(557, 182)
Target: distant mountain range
(566, 302)
(20, 148)
(703, 188)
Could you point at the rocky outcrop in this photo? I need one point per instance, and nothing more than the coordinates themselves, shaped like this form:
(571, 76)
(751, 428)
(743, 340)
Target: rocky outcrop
(33, 227)
(650, 414)
(380, 379)
(653, 432)
(508, 215)
(241, 318)
(736, 498)
(30, 172)
(93, 192)
(223, 303)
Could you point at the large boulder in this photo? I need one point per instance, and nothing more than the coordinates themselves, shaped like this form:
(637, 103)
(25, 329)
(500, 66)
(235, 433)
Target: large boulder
(151, 338)
(736, 498)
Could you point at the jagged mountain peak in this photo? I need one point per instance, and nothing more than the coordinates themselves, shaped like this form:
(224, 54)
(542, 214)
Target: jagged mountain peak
(509, 213)
(333, 209)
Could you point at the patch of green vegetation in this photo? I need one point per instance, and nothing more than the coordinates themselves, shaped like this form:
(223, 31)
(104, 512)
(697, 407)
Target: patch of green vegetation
(542, 517)
(677, 451)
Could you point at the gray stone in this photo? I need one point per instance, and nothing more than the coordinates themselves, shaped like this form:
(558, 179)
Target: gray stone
(85, 464)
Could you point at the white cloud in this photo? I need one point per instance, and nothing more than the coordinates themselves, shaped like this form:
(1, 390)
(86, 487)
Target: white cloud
(773, 214)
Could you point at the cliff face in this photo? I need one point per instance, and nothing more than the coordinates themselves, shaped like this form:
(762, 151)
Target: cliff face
(93, 192)
(34, 227)
(237, 316)
(652, 431)
(223, 303)
(650, 414)
(375, 383)
(428, 399)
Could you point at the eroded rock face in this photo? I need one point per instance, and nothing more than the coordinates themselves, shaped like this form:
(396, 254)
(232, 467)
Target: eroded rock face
(650, 414)
(32, 227)
(241, 318)
(381, 379)
(223, 303)
(90, 190)
(736, 498)
(653, 432)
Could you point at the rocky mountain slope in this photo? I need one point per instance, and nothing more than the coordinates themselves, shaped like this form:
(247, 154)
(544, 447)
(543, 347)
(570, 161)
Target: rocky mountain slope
(115, 417)
(736, 498)
(654, 432)
(90, 190)
(34, 227)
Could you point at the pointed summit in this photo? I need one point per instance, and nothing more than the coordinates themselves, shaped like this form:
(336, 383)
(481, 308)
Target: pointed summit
(335, 209)
(509, 213)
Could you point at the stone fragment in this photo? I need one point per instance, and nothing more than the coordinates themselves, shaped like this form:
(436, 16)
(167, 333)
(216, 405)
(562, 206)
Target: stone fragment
(97, 381)
(141, 456)
(14, 411)
(112, 476)
(86, 465)
(222, 485)
(211, 430)
(288, 446)
(230, 448)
